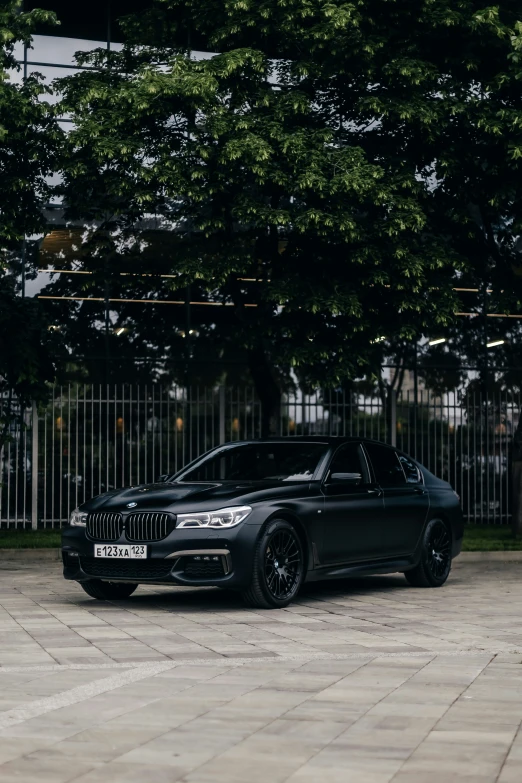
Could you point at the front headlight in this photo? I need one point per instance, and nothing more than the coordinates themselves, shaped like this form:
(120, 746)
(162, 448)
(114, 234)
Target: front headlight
(78, 518)
(224, 517)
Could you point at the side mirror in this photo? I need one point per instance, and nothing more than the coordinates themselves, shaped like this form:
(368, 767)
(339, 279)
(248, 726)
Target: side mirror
(162, 479)
(345, 478)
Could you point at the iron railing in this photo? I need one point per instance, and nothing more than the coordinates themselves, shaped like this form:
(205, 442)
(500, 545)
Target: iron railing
(90, 439)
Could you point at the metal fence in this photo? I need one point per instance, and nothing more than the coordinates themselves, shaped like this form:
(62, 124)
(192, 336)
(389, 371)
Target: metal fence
(90, 439)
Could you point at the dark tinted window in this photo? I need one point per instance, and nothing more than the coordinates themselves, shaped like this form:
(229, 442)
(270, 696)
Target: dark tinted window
(259, 461)
(348, 459)
(410, 469)
(386, 465)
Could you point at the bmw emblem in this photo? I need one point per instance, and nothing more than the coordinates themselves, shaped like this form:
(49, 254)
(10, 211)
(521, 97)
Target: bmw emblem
(131, 505)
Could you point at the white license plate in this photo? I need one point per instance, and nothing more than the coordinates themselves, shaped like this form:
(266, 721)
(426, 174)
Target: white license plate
(124, 552)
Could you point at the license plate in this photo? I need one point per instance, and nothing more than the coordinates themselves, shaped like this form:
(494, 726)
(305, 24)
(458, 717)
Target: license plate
(124, 552)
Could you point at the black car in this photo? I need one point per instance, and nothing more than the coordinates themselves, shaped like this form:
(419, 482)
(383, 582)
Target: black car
(265, 516)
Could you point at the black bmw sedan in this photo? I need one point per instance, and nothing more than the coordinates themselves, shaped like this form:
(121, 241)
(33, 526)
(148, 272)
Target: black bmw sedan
(265, 516)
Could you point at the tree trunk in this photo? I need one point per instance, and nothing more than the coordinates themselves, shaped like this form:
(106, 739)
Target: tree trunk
(6, 418)
(516, 510)
(383, 389)
(3, 439)
(267, 390)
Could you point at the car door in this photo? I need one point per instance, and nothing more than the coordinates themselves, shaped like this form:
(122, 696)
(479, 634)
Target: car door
(406, 500)
(353, 509)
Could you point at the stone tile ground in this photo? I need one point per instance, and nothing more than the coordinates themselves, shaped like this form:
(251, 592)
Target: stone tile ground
(367, 681)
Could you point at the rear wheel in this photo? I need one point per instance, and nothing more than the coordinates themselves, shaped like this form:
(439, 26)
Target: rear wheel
(278, 567)
(108, 591)
(434, 565)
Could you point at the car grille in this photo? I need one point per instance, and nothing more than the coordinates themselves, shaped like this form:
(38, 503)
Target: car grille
(104, 526)
(149, 526)
(107, 568)
(203, 569)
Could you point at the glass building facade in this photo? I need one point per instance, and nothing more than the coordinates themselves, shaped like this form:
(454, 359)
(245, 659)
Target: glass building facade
(81, 28)
(62, 272)
(97, 20)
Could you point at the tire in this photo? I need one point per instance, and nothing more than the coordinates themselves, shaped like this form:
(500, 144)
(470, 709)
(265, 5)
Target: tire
(434, 565)
(275, 583)
(108, 591)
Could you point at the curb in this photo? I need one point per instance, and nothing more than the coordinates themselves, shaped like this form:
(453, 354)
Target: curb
(513, 556)
(30, 555)
(54, 553)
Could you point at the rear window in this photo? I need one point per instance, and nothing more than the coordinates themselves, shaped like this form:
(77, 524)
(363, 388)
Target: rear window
(386, 465)
(410, 469)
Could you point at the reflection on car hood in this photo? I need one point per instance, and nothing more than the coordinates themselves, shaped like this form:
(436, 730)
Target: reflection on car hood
(180, 497)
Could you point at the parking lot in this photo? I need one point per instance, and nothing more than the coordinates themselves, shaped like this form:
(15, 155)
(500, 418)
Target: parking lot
(366, 681)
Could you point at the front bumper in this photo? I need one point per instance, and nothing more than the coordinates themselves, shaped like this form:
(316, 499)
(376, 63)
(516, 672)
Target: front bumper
(185, 557)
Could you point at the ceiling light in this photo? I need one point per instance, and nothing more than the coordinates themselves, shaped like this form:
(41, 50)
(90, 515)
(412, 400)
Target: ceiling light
(145, 301)
(120, 331)
(495, 343)
(437, 341)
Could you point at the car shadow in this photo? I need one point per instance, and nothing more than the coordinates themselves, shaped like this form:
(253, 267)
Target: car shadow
(354, 584)
(214, 599)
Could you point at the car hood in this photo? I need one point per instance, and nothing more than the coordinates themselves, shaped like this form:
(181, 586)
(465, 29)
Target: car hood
(174, 497)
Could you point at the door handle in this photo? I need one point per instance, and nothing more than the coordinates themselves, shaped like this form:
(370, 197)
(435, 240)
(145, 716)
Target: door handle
(419, 491)
(377, 492)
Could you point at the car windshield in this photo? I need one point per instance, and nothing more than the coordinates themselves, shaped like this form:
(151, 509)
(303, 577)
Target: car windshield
(258, 462)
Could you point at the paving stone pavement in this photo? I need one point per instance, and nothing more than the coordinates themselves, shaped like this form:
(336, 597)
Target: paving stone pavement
(363, 681)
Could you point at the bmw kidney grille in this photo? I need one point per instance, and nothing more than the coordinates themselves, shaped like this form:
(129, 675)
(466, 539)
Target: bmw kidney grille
(143, 526)
(104, 526)
(149, 526)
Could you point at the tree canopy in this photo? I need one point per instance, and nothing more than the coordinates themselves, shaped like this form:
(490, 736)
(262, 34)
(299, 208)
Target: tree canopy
(29, 142)
(355, 163)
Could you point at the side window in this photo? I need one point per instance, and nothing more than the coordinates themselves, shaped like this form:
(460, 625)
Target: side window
(410, 469)
(386, 465)
(349, 459)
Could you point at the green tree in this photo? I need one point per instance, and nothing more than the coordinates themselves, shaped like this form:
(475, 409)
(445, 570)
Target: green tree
(269, 169)
(29, 141)
(436, 84)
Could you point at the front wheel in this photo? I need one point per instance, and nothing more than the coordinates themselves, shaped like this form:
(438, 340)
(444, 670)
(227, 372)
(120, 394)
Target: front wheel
(278, 567)
(434, 565)
(108, 591)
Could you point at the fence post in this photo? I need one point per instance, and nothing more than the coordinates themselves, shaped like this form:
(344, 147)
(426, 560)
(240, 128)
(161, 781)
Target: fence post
(391, 416)
(34, 467)
(221, 415)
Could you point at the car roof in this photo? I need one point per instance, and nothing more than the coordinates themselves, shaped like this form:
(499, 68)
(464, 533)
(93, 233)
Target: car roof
(326, 439)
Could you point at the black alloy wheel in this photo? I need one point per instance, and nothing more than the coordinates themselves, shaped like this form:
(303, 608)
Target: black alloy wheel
(434, 565)
(278, 567)
(282, 563)
(108, 591)
(439, 549)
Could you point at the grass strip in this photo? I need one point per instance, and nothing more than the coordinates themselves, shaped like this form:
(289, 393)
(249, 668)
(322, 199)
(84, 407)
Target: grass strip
(490, 538)
(477, 538)
(29, 539)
